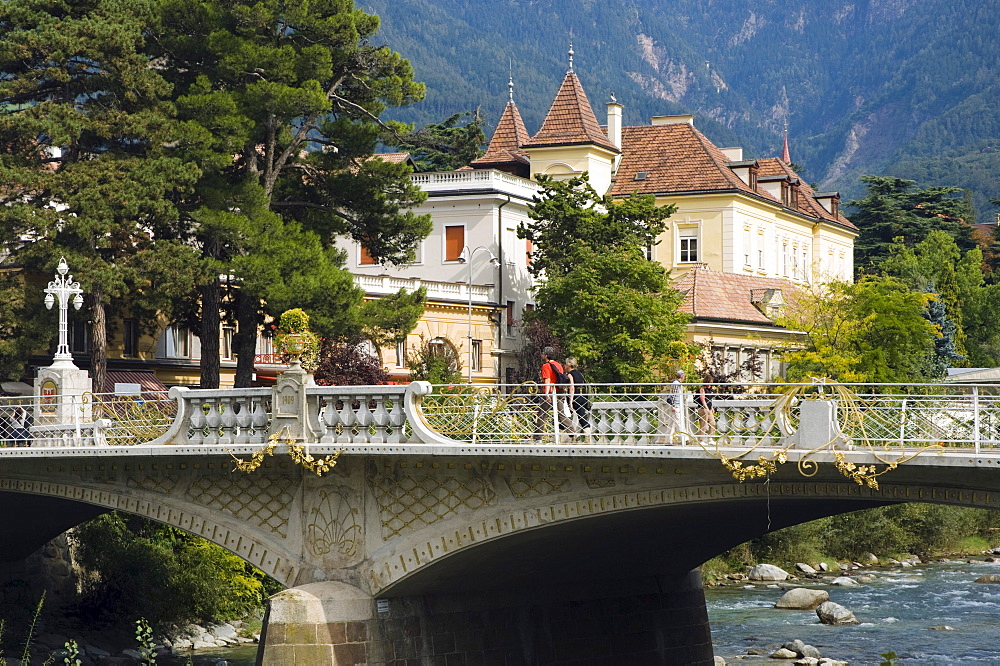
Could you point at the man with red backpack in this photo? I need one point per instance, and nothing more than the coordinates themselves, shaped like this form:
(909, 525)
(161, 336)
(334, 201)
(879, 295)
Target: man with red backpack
(554, 384)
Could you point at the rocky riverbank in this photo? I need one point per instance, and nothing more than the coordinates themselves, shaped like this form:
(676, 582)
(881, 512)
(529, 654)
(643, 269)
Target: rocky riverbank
(114, 647)
(826, 593)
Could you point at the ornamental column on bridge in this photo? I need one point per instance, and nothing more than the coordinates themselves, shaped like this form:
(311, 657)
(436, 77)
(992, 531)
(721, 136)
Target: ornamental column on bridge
(60, 389)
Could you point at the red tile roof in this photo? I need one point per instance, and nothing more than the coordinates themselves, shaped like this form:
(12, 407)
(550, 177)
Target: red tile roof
(677, 158)
(505, 146)
(570, 120)
(728, 296)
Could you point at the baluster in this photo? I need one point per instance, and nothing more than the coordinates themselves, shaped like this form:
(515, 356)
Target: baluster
(197, 422)
(212, 421)
(365, 418)
(617, 425)
(630, 428)
(397, 419)
(331, 419)
(380, 418)
(258, 421)
(603, 427)
(243, 421)
(226, 422)
(722, 421)
(644, 427)
(347, 420)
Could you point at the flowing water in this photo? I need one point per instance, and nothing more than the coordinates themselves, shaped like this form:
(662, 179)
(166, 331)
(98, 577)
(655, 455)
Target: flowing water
(897, 612)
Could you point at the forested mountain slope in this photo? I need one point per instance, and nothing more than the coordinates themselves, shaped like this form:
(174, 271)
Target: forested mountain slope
(898, 87)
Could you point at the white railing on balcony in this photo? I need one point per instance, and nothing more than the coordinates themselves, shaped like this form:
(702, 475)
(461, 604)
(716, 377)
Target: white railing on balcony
(476, 179)
(386, 284)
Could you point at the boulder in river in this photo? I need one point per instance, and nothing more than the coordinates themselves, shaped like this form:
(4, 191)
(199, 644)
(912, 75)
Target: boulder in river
(802, 650)
(989, 578)
(783, 653)
(802, 598)
(942, 627)
(844, 581)
(805, 568)
(869, 558)
(767, 572)
(833, 613)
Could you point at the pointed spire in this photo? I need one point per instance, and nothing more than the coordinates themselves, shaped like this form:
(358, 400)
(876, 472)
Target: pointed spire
(504, 151)
(570, 52)
(510, 84)
(785, 155)
(571, 120)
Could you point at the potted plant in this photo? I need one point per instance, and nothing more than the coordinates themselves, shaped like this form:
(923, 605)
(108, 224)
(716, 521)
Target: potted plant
(293, 337)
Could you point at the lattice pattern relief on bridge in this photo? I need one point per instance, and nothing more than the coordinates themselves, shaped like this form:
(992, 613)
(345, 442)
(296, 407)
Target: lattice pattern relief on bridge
(407, 502)
(261, 500)
(522, 488)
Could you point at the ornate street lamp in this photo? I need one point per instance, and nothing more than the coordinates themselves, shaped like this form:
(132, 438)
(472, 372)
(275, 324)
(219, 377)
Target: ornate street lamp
(63, 288)
(466, 258)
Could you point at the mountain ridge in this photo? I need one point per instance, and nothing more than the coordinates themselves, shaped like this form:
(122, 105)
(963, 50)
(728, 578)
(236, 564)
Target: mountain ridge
(892, 87)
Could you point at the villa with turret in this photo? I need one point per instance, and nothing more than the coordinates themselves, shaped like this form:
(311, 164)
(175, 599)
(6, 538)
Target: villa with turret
(745, 231)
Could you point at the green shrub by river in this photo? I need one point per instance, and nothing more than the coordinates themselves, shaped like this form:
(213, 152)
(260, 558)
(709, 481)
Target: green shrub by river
(140, 568)
(925, 530)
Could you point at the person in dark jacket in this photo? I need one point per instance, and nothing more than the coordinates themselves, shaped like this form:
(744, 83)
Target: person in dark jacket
(580, 401)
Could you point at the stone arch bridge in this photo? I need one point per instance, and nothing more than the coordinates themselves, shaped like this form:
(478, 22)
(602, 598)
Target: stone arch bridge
(440, 535)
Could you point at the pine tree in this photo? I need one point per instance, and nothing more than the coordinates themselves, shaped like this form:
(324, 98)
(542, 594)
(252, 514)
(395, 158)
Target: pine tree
(287, 97)
(85, 172)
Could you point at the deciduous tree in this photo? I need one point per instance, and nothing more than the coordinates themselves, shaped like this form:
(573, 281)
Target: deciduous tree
(613, 309)
(873, 330)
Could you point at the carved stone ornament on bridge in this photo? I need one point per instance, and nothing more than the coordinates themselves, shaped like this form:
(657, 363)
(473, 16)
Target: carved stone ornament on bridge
(407, 502)
(264, 501)
(333, 526)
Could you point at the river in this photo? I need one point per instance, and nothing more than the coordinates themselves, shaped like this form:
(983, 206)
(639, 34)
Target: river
(896, 611)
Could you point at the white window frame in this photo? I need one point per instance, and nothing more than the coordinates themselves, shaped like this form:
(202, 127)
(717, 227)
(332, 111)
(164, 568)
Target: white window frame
(176, 333)
(226, 343)
(687, 232)
(401, 354)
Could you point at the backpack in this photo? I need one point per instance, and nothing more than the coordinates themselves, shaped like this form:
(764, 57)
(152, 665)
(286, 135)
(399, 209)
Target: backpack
(561, 377)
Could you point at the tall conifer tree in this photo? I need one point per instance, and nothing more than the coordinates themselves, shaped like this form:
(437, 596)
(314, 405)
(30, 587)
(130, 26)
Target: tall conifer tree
(288, 97)
(84, 166)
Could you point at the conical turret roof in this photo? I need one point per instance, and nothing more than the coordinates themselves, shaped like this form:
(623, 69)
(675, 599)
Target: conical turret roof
(570, 120)
(505, 146)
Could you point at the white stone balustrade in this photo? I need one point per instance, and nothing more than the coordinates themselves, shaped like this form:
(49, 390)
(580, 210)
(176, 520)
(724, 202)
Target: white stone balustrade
(214, 417)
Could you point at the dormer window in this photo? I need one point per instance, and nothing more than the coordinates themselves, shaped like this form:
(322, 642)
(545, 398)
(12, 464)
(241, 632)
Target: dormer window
(830, 201)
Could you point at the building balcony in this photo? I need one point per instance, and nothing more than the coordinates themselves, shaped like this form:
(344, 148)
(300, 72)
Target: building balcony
(471, 180)
(444, 291)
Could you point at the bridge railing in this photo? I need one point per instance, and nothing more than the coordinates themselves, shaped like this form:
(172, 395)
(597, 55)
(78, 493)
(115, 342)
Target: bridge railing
(741, 415)
(751, 414)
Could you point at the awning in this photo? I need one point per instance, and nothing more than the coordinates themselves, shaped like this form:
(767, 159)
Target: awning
(147, 381)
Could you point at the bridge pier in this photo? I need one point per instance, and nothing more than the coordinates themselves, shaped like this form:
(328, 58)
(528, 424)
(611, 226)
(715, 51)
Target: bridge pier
(653, 620)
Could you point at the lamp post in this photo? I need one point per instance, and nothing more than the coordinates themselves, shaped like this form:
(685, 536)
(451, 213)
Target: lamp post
(63, 287)
(466, 258)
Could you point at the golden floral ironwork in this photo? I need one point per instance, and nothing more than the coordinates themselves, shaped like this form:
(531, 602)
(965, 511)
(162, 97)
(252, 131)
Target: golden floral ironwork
(297, 452)
(856, 429)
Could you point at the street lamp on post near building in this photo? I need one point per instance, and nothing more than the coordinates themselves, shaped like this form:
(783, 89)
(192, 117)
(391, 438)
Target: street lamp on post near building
(61, 289)
(466, 258)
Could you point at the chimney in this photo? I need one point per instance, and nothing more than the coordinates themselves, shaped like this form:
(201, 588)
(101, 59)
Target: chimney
(733, 154)
(672, 120)
(615, 122)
